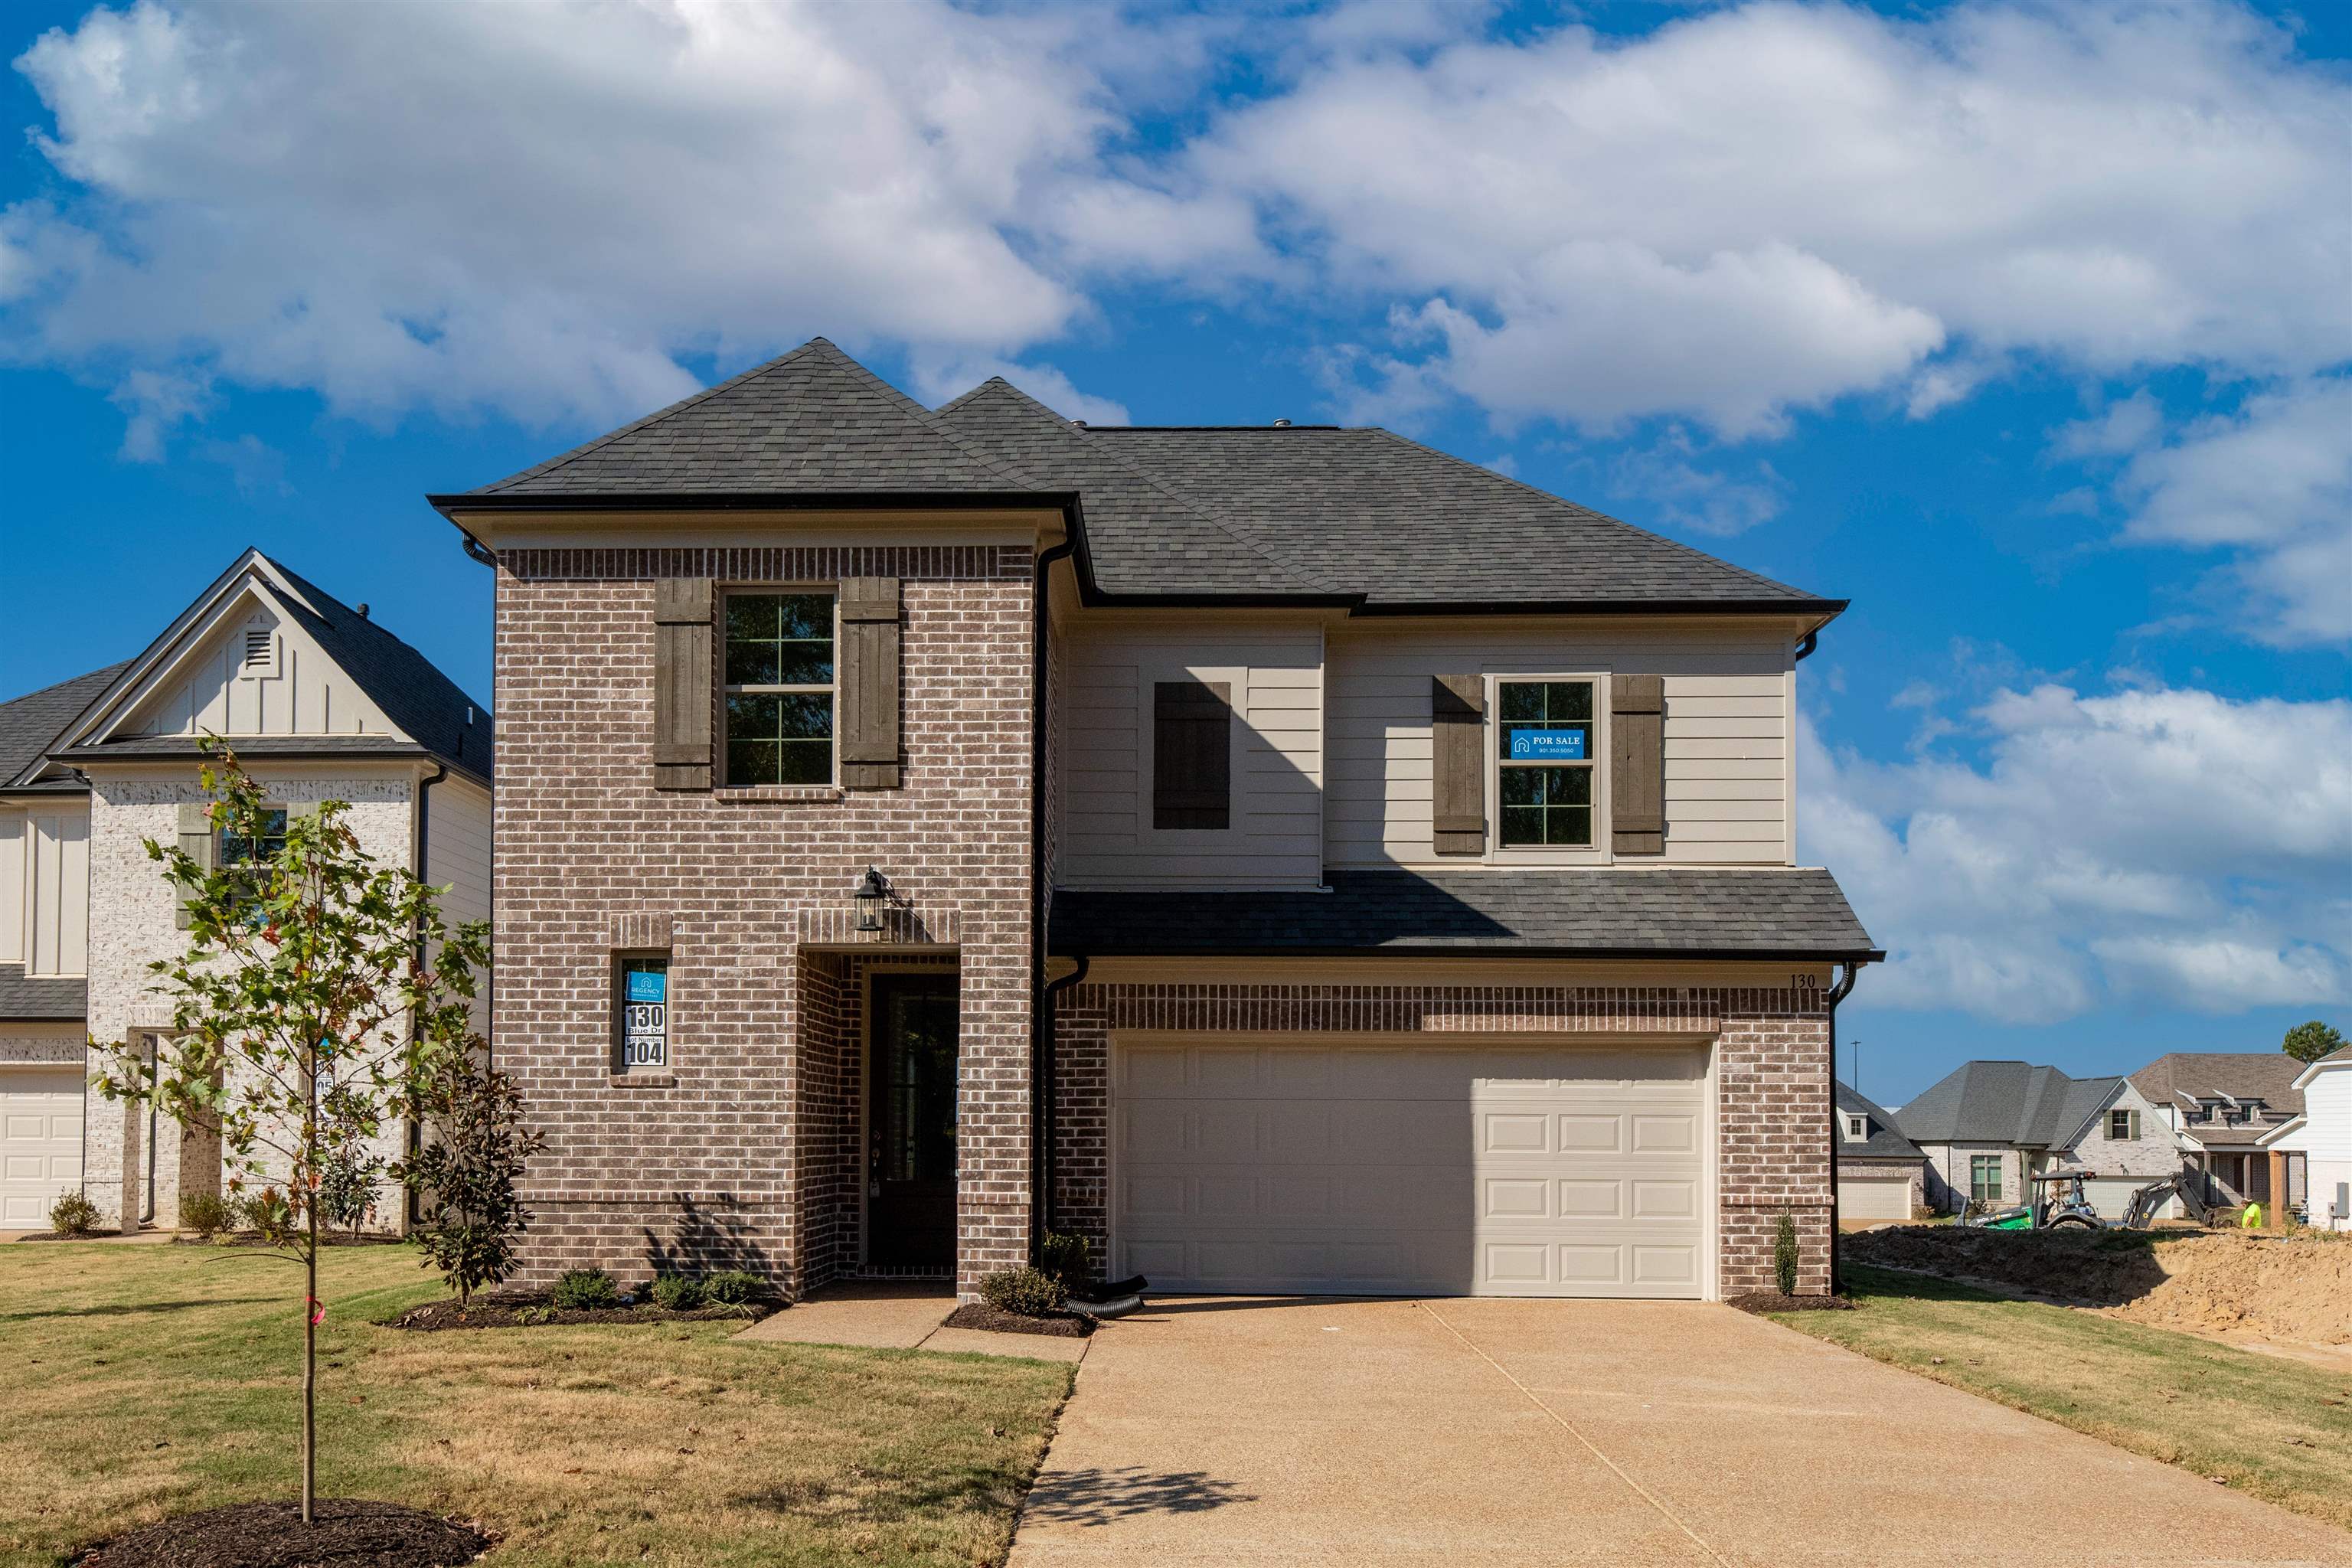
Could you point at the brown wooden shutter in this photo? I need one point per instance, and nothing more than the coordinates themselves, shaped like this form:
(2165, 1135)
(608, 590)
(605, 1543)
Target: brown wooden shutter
(1457, 735)
(1637, 764)
(1191, 755)
(685, 672)
(866, 728)
(195, 831)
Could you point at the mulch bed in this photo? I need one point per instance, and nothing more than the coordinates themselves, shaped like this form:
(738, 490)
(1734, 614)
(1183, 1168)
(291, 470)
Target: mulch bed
(526, 1309)
(980, 1315)
(345, 1534)
(67, 1236)
(1762, 1301)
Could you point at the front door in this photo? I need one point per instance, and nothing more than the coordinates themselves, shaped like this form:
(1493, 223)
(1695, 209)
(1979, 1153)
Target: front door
(910, 1169)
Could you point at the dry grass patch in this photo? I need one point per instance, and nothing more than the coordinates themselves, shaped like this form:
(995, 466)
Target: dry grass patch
(2273, 1429)
(158, 1380)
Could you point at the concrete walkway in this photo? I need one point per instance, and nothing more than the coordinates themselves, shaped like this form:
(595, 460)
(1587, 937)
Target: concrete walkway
(881, 1315)
(1523, 1433)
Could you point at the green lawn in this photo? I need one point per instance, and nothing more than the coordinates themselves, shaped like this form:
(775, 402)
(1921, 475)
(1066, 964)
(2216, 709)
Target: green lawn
(2274, 1428)
(146, 1381)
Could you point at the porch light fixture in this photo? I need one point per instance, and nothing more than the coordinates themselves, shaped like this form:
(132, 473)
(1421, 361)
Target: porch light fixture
(871, 894)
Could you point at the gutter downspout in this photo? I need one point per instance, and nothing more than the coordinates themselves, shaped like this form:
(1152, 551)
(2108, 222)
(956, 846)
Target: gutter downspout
(477, 550)
(1041, 1035)
(1805, 645)
(1837, 993)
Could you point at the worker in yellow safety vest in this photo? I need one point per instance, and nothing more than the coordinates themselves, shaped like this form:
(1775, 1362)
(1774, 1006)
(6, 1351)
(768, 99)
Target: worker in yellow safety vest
(2252, 1219)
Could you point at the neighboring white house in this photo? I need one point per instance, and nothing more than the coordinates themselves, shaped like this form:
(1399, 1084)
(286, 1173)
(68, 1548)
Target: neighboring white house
(1988, 1128)
(2320, 1137)
(321, 703)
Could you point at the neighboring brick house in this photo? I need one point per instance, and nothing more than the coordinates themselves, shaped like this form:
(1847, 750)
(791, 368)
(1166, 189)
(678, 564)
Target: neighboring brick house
(1881, 1174)
(1988, 1128)
(2232, 1111)
(321, 703)
(1298, 859)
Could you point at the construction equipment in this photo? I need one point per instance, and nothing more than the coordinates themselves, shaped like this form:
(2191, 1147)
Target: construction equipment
(2059, 1203)
(2187, 1185)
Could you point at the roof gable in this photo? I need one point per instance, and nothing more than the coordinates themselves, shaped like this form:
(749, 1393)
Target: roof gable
(1886, 1141)
(813, 422)
(345, 681)
(2011, 1103)
(2267, 1076)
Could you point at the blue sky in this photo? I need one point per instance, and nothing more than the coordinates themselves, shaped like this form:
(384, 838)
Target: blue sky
(2027, 329)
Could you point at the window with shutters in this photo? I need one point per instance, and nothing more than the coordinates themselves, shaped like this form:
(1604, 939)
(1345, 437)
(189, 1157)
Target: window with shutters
(253, 854)
(1546, 743)
(1191, 755)
(2123, 1126)
(778, 668)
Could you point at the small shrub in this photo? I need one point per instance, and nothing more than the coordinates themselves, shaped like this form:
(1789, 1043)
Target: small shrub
(465, 1175)
(734, 1288)
(677, 1292)
(1784, 1254)
(585, 1290)
(271, 1214)
(1029, 1292)
(347, 1188)
(73, 1215)
(206, 1214)
(1064, 1257)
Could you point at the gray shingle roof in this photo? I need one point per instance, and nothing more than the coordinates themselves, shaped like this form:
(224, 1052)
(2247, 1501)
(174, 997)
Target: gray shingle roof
(1359, 516)
(425, 704)
(43, 999)
(1402, 523)
(2005, 1102)
(31, 723)
(1885, 1141)
(2266, 1076)
(1771, 911)
(814, 421)
(1139, 533)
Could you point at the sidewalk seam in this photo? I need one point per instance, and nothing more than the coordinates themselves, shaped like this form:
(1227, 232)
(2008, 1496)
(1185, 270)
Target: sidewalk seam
(1569, 1428)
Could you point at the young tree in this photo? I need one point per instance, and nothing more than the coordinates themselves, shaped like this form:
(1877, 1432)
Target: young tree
(2309, 1042)
(463, 1175)
(318, 989)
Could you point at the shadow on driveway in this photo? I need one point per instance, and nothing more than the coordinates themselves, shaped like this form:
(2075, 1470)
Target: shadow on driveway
(1106, 1496)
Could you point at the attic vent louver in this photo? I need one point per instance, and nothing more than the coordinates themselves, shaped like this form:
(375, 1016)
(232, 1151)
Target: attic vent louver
(256, 648)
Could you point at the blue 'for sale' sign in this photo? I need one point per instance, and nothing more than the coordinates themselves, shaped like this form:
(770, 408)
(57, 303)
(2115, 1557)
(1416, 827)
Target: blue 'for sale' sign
(648, 985)
(1547, 745)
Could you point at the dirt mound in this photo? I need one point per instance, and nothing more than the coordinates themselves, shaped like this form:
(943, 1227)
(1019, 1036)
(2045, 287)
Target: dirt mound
(2295, 1288)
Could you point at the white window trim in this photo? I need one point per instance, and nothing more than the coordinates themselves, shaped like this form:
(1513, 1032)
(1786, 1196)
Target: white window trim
(1235, 678)
(1857, 1127)
(1596, 853)
(832, 593)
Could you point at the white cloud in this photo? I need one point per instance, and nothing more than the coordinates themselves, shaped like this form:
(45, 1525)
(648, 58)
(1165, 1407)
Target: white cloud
(154, 404)
(2273, 484)
(1740, 213)
(1677, 493)
(2122, 427)
(2161, 845)
(1823, 196)
(471, 206)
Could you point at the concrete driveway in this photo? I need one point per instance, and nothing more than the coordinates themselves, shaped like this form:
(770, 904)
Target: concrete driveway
(1509, 1433)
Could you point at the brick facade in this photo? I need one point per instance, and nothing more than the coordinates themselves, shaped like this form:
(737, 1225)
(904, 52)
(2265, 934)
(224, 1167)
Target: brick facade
(1771, 1063)
(744, 1154)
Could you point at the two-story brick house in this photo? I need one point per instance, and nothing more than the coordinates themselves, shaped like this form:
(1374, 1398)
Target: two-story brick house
(1291, 856)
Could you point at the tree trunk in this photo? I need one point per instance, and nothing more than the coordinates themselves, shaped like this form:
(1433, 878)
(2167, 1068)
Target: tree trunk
(310, 1368)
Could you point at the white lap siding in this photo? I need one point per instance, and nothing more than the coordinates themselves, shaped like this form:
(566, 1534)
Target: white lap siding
(1729, 773)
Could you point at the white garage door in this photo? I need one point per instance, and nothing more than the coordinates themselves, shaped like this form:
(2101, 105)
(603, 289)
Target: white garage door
(1408, 1170)
(1874, 1197)
(40, 1142)
(2112, 1195)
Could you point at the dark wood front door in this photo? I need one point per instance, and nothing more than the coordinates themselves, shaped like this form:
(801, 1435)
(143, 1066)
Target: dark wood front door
(910, 1121)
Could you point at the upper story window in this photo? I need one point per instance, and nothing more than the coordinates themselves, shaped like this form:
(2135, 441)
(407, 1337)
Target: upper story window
(1857, 1127)
(239, 849)
(779, 699)
(2123, 1126)
(1544, 763)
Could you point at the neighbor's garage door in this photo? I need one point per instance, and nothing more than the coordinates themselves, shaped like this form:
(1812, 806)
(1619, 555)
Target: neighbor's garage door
(1406, 1170)
(40, 1142)
(2112, 1195)
(1874, 1197)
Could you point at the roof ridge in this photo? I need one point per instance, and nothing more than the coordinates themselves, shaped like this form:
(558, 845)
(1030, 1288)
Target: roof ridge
(1562, 501)
(1159, 486)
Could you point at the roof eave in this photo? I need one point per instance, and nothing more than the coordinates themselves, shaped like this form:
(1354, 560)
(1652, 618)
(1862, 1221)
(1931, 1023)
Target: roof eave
(1477, 950)
(453, 506)
(1827, 609)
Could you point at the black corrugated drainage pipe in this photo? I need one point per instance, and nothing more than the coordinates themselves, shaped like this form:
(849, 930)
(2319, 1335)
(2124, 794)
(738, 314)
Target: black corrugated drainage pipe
(1837, 993)
(1041, 1039)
